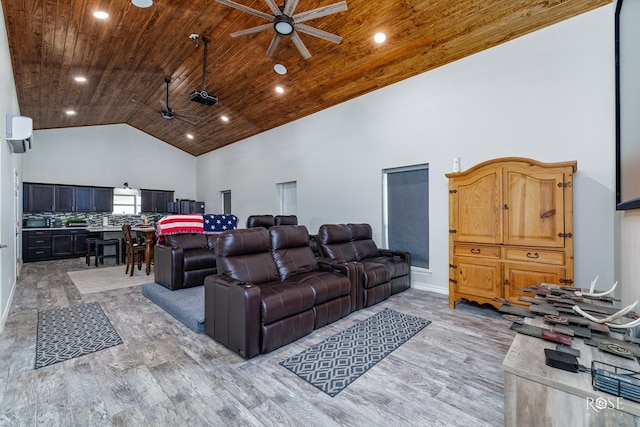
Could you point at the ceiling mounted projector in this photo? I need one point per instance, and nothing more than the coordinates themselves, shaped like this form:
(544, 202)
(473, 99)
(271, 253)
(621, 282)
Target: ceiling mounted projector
(201, 96)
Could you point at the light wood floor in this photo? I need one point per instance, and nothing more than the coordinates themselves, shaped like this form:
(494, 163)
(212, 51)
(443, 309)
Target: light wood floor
(165, 375)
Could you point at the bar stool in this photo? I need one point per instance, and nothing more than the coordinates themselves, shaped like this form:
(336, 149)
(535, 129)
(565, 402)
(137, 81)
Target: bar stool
(101, 244)
(90, 248)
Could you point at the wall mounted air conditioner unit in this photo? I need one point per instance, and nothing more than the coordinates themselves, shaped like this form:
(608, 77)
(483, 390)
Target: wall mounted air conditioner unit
(19, 133)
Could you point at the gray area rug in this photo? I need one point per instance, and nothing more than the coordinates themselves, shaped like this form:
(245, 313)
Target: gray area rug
(186, 305)
(65, 333)
(336, 362)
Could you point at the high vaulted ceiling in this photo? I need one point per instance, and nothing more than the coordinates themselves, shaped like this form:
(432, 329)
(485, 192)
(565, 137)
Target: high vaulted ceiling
(129, 55)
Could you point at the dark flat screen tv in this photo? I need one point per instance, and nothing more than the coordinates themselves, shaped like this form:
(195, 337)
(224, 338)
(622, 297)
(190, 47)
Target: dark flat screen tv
(627, 50)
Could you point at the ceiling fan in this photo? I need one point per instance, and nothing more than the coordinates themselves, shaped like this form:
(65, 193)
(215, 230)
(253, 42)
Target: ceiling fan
(166, 112)
(285, 23)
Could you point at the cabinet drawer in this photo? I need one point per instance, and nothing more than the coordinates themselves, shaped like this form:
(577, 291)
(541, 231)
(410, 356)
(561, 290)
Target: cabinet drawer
(44, 252)
(38, 241)
(535, 255)
(477, 250)
(40, 233)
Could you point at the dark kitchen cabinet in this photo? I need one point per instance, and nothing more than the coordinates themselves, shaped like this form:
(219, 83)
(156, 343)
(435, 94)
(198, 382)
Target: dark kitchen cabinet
(66, 243)
(36, 245)
(103, 199)
(155, 201)
(66, 198)
(94, 199)
(38, 197)
(84, 199)
(42, 245)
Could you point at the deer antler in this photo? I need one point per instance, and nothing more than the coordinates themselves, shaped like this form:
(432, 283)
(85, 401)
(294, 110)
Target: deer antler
(629, 325)
(614, 316)
(593, 294)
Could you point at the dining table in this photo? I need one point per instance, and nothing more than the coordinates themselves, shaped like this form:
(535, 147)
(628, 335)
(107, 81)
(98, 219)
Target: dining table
(149, 232)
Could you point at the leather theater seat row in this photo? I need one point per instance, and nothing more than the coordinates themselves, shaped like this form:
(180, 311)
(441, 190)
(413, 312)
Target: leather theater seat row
(184, 260)
(268, 221)
(270, 289)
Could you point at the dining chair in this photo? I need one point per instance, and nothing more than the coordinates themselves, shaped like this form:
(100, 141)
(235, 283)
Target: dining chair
(134, 250)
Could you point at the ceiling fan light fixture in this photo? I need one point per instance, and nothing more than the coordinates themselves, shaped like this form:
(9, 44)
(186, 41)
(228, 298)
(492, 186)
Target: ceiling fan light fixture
(142, 3)
(283, 25)
(280, 69)
(380, 37)
(100, 14)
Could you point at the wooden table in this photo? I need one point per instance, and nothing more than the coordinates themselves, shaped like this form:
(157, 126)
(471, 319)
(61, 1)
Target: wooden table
(538, 395)
(150, 234)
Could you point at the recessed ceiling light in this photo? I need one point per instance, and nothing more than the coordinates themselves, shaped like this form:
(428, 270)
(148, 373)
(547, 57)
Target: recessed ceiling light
(80, 79)
(189, 136)
(380, 37)
(70, 113)
(279, 89)
(100, 14)
(142, 3)
(280, 69)
(224, 118)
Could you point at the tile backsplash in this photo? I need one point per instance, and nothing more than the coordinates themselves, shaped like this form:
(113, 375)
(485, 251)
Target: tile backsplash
(94, 219)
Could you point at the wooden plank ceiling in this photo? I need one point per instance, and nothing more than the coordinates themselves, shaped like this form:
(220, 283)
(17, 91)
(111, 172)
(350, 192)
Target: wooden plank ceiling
(129, 55)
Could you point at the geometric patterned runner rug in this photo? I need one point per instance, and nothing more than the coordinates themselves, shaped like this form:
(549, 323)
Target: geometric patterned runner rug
(65, 333)
(333, 364)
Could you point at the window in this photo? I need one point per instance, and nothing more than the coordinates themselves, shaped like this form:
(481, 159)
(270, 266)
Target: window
(406, 212)
(287, 191)
(225, 201)
(126, 201)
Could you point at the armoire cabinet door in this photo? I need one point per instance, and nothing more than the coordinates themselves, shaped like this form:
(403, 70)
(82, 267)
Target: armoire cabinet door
(478, 276)
(475, 213)
(518, 276)
(534, 207)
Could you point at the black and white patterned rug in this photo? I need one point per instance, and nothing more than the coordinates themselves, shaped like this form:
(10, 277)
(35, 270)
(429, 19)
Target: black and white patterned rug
(65, 333)
(336, 362)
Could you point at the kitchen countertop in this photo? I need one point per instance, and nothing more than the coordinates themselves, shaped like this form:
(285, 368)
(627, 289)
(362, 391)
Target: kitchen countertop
(89, 229)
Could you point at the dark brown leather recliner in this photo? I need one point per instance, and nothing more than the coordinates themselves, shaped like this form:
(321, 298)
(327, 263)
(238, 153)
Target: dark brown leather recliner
(381, 272)
(184, 260)
(285, 220)
(265, 221)
(270, 290)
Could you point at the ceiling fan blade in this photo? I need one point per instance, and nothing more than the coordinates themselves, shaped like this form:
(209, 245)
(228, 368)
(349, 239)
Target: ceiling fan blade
(319, 12)
(295, 38)
(274, 7)
(289, 7)
(188, 116)
(144, 105)
(252, 30)
(274, 44)
(164, 107)
(318, 33)
(184, 120)
(246, 9)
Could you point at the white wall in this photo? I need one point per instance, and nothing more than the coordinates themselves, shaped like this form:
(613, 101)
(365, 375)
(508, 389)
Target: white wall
(548, 95)
(630, 248)
(10, 164)
(109, 156)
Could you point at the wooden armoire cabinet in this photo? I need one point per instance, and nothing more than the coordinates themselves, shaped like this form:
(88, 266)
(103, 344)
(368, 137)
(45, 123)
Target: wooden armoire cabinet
(510, 226)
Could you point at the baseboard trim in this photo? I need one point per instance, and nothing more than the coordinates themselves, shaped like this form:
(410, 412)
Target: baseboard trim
(421, 279)
(5, 310)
